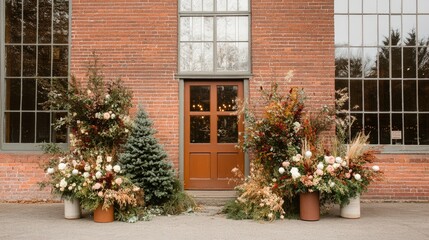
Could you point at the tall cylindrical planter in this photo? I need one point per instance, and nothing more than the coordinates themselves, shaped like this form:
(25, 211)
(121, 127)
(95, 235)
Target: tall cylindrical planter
(72, 209)
(104, 215)
(351, 210)
(309, 206)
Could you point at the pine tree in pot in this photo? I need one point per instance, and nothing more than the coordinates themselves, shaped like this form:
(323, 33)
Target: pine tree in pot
(145, 162)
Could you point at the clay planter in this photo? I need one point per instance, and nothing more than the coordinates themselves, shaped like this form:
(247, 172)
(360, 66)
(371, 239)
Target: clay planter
(104, 215)
(309, 206)
(72, 209)
(351, 210)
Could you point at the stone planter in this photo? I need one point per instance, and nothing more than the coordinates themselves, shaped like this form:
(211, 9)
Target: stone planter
(72, 209)
(351, 210)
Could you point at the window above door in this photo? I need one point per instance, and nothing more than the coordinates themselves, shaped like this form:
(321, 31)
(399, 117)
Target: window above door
(214, 38)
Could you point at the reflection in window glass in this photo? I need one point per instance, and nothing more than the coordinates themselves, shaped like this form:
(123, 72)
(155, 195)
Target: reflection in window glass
(384, 128)
(396, 62)
(423, 95)
(227, 129)
(409, 30)
(410, 92)
(383, 30)
(356, 95)
(370, 62)
(370, 99)
(409, 62)
(384, 95)
(397, 127)
(410, 129)
(371, 127)
(200, 98)
(343, 85)
(355, 56)
(200, 129)
(396, 95)
(423, 29)
(341, 62)
(424, 129)
(226, 98)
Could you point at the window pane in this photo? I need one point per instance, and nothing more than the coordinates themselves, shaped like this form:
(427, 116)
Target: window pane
(395, 6)
(28, 94)
(58, 136)
(61, 21)
(397, 126)
(197, 5)
(384, 62)
(232, 56)
(355, 62)
(370, 93)
(29, 58)
(200, 98)
(185, 29)
(384, 95)
(43, 127)
(243, 5)
(396, 95)
(13, 94)
(409, 6)
(355, 6)
(13, 61)
(370, 30)
(43, 86)
(221, 5)
(384, 128)
(227, 129)
(395, 30)
(200, 129)
(409, 61)
(339, 85)
(410, 97)
(226, 97)
(341, 62)
(423, 6)
(208, 5)
(423, 29)
(341, 6)
(396, 62)
(196, 57)
(45, 21)
(232, 5)
(423, 62)
(30, 22)
(44, 61)
(27, 127)
(13, 21)
(60, 57)
(409, 30)
(410, 131)
(341, 30)
(370, 62)
(357, 124)
(185, 5)
(12, 127)
(383, 30)
(424, 129)
(383, 6)
(356, 95)
(371, 127)
(369, 6)
(355, 30)
(423, 95)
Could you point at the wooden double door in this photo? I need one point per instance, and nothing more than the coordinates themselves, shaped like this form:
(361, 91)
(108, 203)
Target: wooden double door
(211, 134)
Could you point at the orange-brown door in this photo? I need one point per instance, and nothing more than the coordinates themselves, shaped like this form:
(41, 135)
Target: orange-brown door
(211, 134)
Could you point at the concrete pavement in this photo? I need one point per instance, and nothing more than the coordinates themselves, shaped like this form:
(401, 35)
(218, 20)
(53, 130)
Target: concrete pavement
(379, 221)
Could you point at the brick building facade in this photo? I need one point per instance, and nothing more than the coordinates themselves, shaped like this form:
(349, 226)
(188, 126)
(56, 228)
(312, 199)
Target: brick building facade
(140, 41)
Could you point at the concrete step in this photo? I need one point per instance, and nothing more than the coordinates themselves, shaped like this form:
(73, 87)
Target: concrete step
(212, 198)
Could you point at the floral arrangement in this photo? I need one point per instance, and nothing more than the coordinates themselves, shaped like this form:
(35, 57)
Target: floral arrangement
(289, 158)
(99, 124)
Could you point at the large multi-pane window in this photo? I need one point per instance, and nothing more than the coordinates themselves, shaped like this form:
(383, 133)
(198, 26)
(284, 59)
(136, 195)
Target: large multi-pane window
(381, 57)
(35, 56)
(214, 37)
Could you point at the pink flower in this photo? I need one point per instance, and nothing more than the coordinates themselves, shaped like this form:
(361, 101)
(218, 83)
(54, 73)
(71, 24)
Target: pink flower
(118, 181)
(285, 164)
(330, 169)
(100, 194)
(348, 175)
(96, 186)
(319, 172)
(106, 116)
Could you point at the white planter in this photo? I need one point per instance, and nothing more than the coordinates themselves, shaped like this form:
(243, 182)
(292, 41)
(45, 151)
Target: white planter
(351, 210)
(72, 209)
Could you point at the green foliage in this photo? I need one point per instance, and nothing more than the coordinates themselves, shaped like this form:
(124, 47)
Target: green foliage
(179, 201)
(145, 162)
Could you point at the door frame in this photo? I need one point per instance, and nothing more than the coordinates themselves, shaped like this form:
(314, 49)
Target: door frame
(181, 169)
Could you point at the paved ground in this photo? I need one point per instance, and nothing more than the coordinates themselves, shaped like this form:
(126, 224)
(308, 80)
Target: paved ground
(378, 221)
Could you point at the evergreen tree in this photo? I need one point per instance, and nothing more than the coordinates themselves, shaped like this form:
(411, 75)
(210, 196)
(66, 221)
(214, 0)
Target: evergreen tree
(145, 162)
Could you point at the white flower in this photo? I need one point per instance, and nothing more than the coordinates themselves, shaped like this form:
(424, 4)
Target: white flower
(296, 126)
(375, 168)
(270, 215)
(117, 168)
(88, 92)
(86, 174)
(320, 166)
(106, 116)
(344, 163)
(109, 168)
(50, 170)
(98, 174)
(331, 184)
(63, 183)
(297, 158)
(118, 181)
(308, 154)
(126, 130)
(99, 159)
(336, 165)
(74, 163)
(112, 116)
(75, 172)
(108, 158)
(282, 170)
(338, 160)
(62, 166)
(70, 187)
(78, 121)
(87, 167)
(295, 173)
(107, 96)
(357, 176)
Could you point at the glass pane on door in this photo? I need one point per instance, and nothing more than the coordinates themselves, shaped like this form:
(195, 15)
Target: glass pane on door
(200, 129)
(227, 129)
(200, 98)
(226, 98)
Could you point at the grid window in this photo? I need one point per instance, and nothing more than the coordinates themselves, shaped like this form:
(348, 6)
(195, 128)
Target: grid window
(35, 58)
(381, 57)
(214, 36)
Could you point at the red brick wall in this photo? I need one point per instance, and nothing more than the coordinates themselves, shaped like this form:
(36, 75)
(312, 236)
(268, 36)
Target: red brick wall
(137, 41)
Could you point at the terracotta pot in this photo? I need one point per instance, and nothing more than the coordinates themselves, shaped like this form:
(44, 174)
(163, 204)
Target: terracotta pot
(72, 209)
(104, 215)
(351, 210)
(309, 207)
